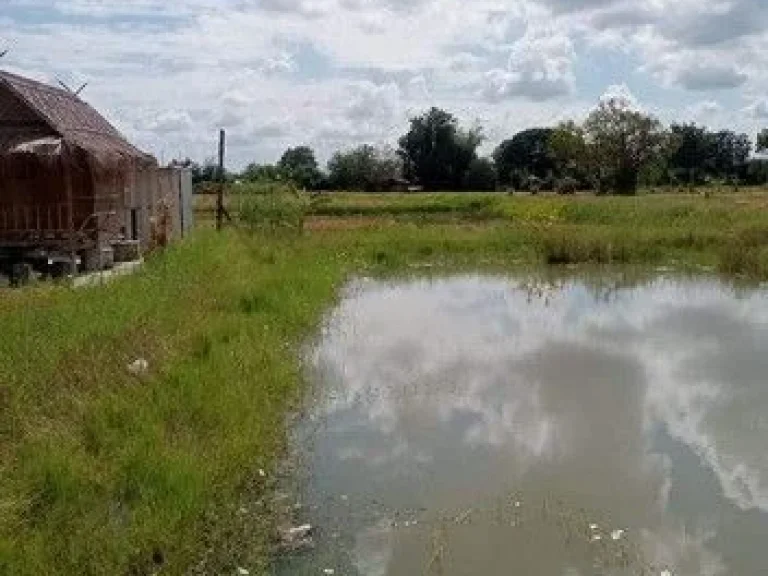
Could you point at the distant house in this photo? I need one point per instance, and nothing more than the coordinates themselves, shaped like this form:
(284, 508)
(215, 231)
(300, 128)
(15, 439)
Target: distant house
(71, 183)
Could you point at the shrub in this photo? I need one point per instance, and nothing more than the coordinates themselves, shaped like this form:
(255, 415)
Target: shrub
(272, 205)
(567, 186)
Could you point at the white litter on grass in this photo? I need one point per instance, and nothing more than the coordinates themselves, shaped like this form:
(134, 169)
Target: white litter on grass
(329, 571)
(666, 573)
(518, 504)
(262, 473)
(596, 538)
(617, 534)
(299, 532)
(138, 367)
(242, 572)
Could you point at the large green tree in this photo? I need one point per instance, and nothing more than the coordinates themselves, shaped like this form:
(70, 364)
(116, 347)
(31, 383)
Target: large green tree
(436, 152)
(300, 165)
(690, 160)
(701, 154)
(526, 154)
(620, 142)
(201, 173)
(570, 154)
(729, 153)
(481, 175)
(762, 141)
(363, 168)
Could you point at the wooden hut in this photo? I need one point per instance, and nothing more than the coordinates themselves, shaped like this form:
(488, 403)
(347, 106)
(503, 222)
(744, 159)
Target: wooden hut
(70, 183)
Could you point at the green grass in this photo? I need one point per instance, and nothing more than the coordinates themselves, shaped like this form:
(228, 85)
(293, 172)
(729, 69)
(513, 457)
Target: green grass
(108, 473)
(642, 210)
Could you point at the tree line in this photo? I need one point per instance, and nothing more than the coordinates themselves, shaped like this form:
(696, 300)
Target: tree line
(615, 150)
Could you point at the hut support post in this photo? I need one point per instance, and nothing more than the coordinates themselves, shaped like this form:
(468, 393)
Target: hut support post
(66, 158)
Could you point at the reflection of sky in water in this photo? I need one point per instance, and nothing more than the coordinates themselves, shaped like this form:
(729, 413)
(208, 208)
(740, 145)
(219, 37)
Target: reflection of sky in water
(647, 410)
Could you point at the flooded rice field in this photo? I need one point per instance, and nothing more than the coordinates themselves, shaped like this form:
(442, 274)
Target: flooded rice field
(488, 425)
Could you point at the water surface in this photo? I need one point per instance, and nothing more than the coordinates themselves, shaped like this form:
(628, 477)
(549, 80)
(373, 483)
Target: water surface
(485, 425)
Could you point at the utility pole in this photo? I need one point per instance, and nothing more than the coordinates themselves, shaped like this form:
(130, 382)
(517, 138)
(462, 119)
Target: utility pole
(220, 200)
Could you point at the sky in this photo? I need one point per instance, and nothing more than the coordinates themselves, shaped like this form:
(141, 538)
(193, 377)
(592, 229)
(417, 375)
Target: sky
(336, 73)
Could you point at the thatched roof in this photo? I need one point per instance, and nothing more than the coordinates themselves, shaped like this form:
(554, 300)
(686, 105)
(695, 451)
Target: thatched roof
(35, 116)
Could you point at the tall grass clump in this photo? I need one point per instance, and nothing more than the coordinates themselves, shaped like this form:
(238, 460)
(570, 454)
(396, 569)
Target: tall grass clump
(272, 206)
(746, 253)
(558, 248)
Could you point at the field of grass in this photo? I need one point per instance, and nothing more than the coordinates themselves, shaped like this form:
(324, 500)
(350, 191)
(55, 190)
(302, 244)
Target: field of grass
(724, 228)
(106, 472)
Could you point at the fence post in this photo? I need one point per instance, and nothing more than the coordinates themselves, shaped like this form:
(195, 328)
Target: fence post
(221, 178)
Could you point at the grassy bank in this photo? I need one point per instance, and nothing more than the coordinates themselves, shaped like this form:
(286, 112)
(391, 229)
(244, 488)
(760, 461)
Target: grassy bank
(106, 472)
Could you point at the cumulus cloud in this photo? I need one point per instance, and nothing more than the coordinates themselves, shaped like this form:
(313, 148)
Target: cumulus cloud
(170, 121)
(716, 77)
(508, 63)
(704, 108)
(540, 67)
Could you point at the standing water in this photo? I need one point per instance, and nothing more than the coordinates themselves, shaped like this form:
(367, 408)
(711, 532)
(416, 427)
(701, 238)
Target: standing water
(479, 425)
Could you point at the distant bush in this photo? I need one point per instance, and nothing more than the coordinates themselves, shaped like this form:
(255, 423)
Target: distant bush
(272, 205)
(567, 186)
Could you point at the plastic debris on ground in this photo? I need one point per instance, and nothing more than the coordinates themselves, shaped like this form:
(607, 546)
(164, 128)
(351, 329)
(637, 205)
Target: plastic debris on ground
(138, 367)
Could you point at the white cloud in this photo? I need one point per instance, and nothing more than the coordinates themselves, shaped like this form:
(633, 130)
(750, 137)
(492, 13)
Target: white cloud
(170, 121)
(704, 109)
(540, 67)
(301, 62)
(712, 77)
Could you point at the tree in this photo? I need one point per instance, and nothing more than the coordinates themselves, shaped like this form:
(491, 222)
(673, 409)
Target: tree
(363, 168)
(201, 174)
(481, 175)
(690, 160)
(729, 153)
(436, 153)
(762, 141)
(299, 165)
(757, 172)
(620, 142)
(262, 172)
(568, 150)
(526, 154)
